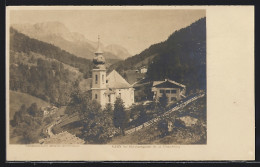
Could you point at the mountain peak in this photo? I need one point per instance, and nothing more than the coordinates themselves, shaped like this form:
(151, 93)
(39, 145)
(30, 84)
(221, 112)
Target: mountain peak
(58, 34)
(51, 27)
(118, 50)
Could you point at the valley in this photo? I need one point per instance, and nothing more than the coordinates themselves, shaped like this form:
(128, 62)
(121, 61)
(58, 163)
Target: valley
(51, 97)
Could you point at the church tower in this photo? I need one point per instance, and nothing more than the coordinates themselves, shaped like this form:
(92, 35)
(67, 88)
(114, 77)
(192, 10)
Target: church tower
(99, 77)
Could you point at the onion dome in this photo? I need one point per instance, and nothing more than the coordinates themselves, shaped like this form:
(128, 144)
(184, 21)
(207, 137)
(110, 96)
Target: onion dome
(99, 59)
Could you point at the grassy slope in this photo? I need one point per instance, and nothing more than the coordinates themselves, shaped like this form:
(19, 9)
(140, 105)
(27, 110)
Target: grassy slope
(150, 135)
(17, 99)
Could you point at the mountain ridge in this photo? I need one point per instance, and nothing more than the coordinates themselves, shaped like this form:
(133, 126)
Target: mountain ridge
(59, 35)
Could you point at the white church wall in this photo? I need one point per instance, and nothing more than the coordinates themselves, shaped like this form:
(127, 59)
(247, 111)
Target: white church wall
(98, 78)
(127, 95)
(99, 96)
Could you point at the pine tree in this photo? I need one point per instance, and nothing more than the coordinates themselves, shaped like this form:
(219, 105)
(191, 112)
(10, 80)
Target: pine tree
(120, 118)
(163, 101)
(108, 109)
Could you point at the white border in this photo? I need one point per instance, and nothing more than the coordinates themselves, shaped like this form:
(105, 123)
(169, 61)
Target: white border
(230, 70)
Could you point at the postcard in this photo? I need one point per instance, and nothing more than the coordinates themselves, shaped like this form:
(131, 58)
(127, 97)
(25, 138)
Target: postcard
(138, 83)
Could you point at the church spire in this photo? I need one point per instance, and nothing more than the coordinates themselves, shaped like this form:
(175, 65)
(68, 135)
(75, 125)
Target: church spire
(98, 40)
(99, 51)
(99, 59)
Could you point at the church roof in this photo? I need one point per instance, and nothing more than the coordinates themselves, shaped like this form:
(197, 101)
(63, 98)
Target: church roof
(167, 84)
(99, 50)
(116, 81)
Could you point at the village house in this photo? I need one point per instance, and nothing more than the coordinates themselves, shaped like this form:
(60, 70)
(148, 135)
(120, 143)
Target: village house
(105, 89)
(173, 90)
(49, 110)
(143, 70)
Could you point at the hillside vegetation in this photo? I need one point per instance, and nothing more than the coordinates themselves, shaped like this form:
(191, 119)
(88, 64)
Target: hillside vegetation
(17, 99)
(181, 134)
(43, 70)
(182, 57)
(22, 43)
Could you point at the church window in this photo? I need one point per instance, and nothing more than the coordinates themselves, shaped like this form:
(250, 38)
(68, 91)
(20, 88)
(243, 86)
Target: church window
(96, 79)
(96, 96)
(109, 98)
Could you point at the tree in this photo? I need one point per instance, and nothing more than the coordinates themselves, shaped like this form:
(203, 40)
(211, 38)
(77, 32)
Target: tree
(163, 127)
(153, 105)
(108, 109)
(80, 102)
(163, 101)
(138, 114)
(91, 109)
(33, 110)
(98, 129)
(98, 126)
(120, 118)
(27, 124)
(143, 115)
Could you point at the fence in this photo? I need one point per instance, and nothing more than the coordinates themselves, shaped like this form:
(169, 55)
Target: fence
(154, 120)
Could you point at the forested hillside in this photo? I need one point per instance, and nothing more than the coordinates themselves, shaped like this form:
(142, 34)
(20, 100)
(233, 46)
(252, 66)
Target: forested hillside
(182, 57)
(43, 70)
(22, 43)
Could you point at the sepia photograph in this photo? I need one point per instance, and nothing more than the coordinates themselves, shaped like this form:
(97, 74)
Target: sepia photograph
(108, 77)
(118, 78)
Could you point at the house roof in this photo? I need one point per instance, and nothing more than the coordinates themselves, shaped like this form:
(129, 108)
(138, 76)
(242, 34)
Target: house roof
(116, 81)
(167, 84)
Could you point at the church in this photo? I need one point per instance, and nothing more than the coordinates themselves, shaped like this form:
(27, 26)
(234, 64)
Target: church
(106, 88)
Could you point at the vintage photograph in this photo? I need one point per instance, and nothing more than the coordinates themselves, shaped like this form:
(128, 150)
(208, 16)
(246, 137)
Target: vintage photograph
(102, 76)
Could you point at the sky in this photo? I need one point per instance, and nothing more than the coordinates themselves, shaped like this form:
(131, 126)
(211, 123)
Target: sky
(134, 29)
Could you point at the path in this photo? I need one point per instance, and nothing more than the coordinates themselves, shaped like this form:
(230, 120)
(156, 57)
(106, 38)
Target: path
(158, 118)
(61, 138)
(49, 130)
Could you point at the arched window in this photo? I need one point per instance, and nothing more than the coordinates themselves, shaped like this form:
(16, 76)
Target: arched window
(109, 98)
(96, 79)
(96, 96)
(103, 78)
